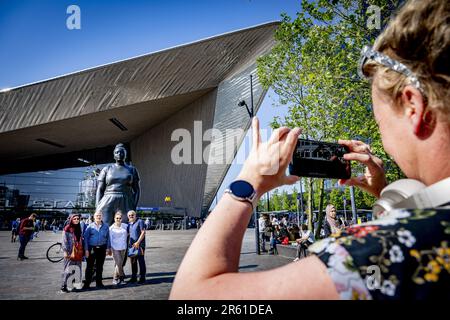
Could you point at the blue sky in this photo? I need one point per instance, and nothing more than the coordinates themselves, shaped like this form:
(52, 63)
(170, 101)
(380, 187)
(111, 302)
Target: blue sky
(35, 43)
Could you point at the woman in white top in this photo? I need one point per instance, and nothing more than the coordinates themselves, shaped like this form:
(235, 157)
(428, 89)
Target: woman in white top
(118, 233)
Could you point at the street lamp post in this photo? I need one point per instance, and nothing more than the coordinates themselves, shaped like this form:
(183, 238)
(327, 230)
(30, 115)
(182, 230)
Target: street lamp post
(301, 199)
(251, 113)
(345, 211)
(352, 201)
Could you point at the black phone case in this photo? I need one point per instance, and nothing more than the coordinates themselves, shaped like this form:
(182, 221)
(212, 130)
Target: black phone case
(320, 160)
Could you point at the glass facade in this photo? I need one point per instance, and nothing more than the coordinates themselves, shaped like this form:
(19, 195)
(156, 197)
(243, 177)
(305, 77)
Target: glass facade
(65, 189)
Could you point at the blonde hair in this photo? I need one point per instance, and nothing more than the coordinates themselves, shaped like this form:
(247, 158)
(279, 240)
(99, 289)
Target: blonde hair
(418, 37)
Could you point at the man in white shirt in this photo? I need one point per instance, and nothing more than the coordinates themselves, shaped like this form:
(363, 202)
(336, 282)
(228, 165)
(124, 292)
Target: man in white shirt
(263, 222)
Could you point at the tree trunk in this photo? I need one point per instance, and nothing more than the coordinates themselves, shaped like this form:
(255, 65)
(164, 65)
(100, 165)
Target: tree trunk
(310, 205)
(320, 215)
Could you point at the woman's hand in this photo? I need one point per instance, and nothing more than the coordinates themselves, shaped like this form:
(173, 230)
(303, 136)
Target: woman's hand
(374, 178)
(86, 253)
(66, 255)
(265, 167)
(136, 245)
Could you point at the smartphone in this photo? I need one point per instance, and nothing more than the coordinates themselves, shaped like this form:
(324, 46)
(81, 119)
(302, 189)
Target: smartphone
(320, 160)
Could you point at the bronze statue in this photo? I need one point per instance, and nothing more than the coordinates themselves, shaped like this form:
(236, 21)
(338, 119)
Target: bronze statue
(118, 187)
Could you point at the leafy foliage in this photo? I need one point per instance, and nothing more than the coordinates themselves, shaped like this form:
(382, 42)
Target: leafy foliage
(313, 70)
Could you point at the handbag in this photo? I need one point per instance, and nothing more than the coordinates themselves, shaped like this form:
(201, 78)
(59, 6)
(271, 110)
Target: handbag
(133, 252)
(77, 252)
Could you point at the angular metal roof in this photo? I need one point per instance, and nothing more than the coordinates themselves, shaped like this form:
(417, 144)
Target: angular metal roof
(74, 110)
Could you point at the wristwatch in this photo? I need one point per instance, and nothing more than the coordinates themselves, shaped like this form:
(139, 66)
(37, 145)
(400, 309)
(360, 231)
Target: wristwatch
(243, 191)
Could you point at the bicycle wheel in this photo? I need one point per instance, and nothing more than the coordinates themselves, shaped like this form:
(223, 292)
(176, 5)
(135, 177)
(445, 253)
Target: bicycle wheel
(55, 253)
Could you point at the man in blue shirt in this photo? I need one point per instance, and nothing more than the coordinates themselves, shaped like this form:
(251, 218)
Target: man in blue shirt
(84, 224)
(15, 229)
(97, 245)
(137, 240)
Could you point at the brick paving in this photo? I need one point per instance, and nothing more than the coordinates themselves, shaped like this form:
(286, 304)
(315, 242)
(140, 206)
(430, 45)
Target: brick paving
(37, 278)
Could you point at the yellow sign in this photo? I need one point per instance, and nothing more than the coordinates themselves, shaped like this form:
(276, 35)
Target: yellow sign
(167, 199)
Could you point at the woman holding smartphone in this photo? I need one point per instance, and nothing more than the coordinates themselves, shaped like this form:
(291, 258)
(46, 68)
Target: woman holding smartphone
(410, 74)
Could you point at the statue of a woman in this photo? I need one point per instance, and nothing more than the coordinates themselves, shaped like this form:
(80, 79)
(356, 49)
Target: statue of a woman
(118, 187)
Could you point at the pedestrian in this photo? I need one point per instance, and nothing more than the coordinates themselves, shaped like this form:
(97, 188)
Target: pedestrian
(137, 240)
(53, 225)
(331, 224)
(15, 229)
(37, 228)
(83, 224)
(264, 235)
(72, 244)
(294, 232)
(274, 221)
(147, 223)
(97, 245)
(118, 235)
(284, 221)
(26, 229)
(306, 239)
(274, 238)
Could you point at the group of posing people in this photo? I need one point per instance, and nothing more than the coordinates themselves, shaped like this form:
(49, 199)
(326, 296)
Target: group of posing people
(121, 240)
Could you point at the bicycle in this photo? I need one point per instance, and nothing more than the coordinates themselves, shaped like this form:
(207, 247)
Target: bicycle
(55, 252)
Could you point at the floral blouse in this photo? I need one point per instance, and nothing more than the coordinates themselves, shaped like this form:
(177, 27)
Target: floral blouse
(403, 255)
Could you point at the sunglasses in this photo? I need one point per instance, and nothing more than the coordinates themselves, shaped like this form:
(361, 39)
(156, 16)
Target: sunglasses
(368, 53)
(118, 218)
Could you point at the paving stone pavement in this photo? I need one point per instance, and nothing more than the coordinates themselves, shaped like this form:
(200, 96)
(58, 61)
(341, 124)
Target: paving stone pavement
(37, 278)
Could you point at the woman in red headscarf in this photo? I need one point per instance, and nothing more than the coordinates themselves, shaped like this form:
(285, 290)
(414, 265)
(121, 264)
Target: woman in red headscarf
(72, 243)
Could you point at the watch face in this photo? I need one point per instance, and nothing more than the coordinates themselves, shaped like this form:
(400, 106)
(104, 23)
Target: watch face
(241, 189)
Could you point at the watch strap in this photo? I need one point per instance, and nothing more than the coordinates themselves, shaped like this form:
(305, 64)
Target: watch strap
(252, 199)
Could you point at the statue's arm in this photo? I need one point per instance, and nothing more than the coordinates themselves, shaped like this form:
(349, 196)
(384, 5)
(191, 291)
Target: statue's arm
(136, 187)
(101, 186)
(100, 192)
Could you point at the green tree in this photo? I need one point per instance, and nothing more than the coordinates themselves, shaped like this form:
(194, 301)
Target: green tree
(335, 197)
(285, 201)
(262, 205)
(294, 196)
(275, 201)
(312, 68)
